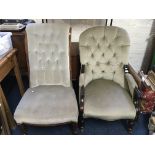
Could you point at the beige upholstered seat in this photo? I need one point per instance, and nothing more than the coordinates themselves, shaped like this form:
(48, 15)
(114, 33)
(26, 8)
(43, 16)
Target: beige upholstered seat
(107, 100)
(50, 98)
(106, 85)
(47, 105)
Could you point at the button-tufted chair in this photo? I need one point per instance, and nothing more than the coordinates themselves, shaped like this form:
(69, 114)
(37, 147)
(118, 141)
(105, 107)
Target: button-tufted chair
(108, 84)
(50, 100)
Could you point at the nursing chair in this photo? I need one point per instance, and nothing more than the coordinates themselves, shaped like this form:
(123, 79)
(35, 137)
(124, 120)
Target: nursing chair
(108, 84)
(50, 100)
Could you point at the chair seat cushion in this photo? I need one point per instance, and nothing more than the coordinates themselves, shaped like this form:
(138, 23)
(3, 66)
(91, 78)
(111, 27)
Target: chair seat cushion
(47, 105)
(107, 100)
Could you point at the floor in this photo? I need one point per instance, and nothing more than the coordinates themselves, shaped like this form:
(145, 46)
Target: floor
(92, 126)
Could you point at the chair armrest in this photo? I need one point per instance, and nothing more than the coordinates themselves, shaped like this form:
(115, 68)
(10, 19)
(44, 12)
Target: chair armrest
(135, 75)
(133, 79)
(131, 83)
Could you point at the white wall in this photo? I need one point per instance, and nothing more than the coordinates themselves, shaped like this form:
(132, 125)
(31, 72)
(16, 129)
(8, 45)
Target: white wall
(139, 32)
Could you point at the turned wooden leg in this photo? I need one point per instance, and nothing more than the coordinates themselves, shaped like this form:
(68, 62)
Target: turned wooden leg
(23, 129)
(130, 124)
(74, 128)
(10, 118)
(5, 124)
(81, 123)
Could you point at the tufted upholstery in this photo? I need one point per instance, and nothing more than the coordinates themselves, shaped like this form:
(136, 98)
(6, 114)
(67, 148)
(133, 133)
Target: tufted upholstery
(51, 99)
(104, 51)
(48, 46)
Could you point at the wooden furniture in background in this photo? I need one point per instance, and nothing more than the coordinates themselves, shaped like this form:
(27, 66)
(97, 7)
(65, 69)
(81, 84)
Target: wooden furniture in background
(5, 130)
(8, 63)
(75, 60)
(19, 42)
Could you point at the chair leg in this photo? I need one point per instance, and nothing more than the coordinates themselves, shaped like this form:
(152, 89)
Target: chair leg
(23, 129)
(130, 125)
(74, 128)
(81, 123)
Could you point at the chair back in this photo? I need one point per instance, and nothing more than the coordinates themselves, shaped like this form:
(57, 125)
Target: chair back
(48, 54)
(104, 52)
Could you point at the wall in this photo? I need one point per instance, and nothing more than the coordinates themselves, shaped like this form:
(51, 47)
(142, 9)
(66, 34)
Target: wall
(139, 32)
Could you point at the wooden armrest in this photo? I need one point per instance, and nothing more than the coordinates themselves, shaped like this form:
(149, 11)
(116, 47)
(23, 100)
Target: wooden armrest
(135, 75)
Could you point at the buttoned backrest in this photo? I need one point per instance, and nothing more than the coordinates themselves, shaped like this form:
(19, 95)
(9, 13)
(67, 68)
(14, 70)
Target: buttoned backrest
(48, 53)
(104, 51)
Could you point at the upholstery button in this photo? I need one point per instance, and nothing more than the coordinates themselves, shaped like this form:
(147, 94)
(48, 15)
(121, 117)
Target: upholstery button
(109, 46)
(88, 47)
(56, 61)
(48, 60)
(98, 46)
(116, 38)
(122, 46)
(114, 55)
(103, 71)
(108, 63)
(114, 72)
(93, 38)
(103, 38)
(92, 55)
(97, 63)
(121, 64)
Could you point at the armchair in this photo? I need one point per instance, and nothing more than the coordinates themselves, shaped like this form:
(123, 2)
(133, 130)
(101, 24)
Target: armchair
(109, 87)
(50, 100)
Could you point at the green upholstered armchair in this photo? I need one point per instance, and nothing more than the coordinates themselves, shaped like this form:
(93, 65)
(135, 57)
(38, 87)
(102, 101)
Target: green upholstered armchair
(108, 85)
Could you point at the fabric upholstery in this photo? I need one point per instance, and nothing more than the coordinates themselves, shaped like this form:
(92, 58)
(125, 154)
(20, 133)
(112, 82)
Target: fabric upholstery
(131, 83)
(48, 46)
(47, 105)
(107, 100)
(104, 51)
(81, 79)
(50, 98)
